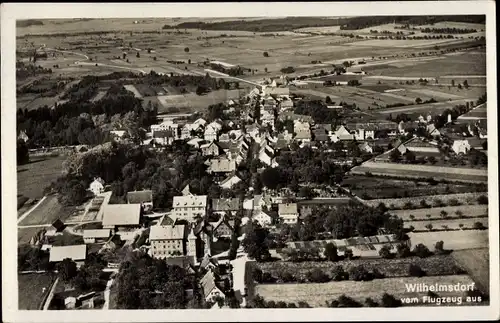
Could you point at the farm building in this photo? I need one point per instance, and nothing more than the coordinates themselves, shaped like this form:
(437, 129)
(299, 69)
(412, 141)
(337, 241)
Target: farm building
(98, 235)
(224, 227)
(144, 198)
(77, 253)
(118, 216)
(211, 149)
(418, 145)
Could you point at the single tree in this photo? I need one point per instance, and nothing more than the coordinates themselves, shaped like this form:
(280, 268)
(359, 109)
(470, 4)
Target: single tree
(439, 247)
(418, 100)
(67, 269)
(266, 54)
(331, 252)
(186, 49)
(421, 251)
(429, 226)
(385, 252)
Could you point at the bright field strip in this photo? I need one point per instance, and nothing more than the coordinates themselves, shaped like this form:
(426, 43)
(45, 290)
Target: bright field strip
(317, 294)
(475, 262)
(453, 240)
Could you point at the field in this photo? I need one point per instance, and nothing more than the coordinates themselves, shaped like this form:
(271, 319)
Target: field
(368, 187)
(447, 224)
(318, 293)
(193, 101)
(36, 103)
(31, 290)
(398, 267)
(471, 62)
(24, 235)
(398, 203)
(421, 214)
(478, 113)
(32, 178)
(476, 263)
(419, 171)
(453, 240)
(47, 212)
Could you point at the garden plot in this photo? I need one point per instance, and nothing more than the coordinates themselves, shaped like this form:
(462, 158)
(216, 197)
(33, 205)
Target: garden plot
(317, 294)
(455, 224)
(453, 240)
(435, 213)
(400, 43)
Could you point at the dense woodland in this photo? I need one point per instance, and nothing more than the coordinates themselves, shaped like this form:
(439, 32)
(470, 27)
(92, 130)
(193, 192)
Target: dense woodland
(79, 121)
(127, 167)
(352, 23)
(148, 283)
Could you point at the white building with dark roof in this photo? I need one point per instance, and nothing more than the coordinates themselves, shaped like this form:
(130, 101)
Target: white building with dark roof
(97, 186)
(188, 207)
(170, 241)
(96, 235)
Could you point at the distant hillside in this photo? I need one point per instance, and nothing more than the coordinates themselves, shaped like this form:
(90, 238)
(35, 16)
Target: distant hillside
(351, 23)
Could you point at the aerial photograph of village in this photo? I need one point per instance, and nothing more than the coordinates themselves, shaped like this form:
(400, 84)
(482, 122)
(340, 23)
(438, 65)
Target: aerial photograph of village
(290, 162)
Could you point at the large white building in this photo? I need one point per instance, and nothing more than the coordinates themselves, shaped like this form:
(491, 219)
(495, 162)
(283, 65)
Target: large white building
(288, 212)
(171, 241)
(97, 186)
(188, 207)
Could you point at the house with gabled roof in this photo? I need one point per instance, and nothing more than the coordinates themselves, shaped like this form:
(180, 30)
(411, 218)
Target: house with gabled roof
(189, 207)
(211, 149)
(224, 206)
(288, 212)
(221, 165)
(77, 253)
(97, 186)
(116, 216)
(224, 227)
(366, 147)
(231, 180)
(461, 146)
(433, 131)
(211, 287)
(262, 218)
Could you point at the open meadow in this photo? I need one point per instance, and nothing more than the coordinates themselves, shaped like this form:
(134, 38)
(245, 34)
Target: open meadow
(317, 294)
(33, 289)
(47, 212)
(33, 177)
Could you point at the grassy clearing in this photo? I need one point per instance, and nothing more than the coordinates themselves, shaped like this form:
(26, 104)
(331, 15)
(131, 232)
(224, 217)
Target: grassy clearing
(477, 263)
(47, 212)
(318, 293)
(421, 214)
(454, 240)
(24, 234)
(31, 290)
(32, 178)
